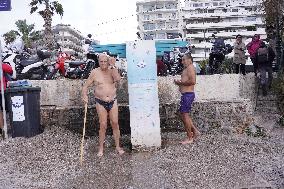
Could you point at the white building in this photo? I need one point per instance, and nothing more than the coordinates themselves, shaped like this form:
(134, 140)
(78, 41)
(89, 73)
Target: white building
(223, 18)
(159, 19)
(70, 39)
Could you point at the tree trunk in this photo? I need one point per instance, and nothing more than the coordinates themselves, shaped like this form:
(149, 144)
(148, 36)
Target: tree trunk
(48, 36)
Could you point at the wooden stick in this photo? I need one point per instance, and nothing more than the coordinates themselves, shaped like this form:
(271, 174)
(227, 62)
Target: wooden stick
(83, 138)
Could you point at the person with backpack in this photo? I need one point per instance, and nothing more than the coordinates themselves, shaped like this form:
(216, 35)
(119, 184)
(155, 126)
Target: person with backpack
(252, 50)
(264, 58)
(239, 55)
(7, 71)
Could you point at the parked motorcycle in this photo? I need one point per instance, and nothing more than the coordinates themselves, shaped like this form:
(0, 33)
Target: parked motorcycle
(173, 60)
(92, 62)
(217, 55)
(25, 66)
(67, 66)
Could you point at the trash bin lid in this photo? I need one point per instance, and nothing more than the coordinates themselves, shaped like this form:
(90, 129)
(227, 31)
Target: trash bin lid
(22, 89)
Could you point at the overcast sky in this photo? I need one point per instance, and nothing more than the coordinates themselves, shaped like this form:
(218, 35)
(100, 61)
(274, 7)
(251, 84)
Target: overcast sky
(84, 15)
(88, 16)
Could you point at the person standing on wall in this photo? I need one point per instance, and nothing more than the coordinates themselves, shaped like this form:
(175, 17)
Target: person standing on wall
(252, 50)
(239, 55)
(7, 70)
(264, 58)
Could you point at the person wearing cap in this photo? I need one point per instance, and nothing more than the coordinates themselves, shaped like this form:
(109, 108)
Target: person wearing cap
(239, 55)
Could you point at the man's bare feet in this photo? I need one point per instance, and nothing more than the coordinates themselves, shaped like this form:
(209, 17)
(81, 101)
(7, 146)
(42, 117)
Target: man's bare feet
(100, 153)
(120, 151)
(196, 135)
(187, 141)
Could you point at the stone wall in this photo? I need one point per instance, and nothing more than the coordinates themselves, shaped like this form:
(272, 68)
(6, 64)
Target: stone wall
(66, 93)
(223, 101)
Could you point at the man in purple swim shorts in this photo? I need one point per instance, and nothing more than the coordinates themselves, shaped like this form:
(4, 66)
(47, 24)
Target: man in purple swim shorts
(186, 87)
(186, 101)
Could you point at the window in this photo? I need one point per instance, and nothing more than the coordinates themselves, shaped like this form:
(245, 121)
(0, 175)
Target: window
(148, 8)
(161, 36)
(172, 35)
(149, 26)
(200, 11)
(215, 3)
(161, 25)
(160, 16)
(159, 6)
(197, 5)
(171, 6)
(211, 11)
(248, 9)
(207, 4)
(224, 10)
(146, 17)
(235, 10)
(222, 3)
(172, 25)
(252, 18)
(149, 36)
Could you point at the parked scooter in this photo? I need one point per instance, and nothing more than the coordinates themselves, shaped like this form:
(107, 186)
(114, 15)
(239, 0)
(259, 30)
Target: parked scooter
(217, 55)
(33, 68)
(26, 67)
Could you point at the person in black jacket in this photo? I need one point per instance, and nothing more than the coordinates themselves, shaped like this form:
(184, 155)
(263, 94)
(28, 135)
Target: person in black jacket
(264, 58)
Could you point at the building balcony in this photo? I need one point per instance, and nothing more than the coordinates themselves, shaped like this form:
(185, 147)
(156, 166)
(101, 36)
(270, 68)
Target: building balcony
(187, 15)
(161, 29)
(159, 10)
(227, 35)
(159, 19)
(223, 25)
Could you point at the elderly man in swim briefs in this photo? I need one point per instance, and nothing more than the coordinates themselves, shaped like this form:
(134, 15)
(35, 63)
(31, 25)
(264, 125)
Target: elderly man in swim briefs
(105, 78)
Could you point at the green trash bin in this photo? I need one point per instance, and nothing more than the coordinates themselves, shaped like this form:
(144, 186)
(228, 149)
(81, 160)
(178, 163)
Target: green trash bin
(24, 111)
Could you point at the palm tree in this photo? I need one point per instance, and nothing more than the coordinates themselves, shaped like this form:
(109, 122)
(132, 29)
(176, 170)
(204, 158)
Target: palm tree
(26, 31)
(10, 36)
(49, 8)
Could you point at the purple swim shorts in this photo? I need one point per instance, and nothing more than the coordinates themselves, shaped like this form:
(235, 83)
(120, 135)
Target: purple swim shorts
(186, 102)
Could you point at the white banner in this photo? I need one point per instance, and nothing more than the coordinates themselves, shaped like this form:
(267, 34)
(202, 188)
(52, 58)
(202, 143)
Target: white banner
(143, 94)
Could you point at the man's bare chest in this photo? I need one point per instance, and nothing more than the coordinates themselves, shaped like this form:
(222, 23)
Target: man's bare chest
(103, 79)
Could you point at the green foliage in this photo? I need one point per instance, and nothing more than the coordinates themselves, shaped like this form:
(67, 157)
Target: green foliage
(10, 36)
(255, 131)
(281, 121)
(278, 88)
(273, 12)
(227, 66)
(203, 64)
(50, 8)
(46, 9)
(25, 30)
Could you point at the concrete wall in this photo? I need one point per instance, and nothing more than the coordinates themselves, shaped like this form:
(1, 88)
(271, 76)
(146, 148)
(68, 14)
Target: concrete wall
(223, 101)
(66, 93)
